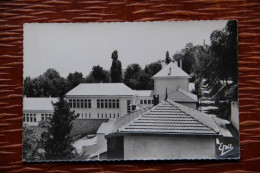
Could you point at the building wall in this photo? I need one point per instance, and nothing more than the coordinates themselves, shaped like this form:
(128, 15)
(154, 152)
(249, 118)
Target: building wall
(172, 84)
(144, 101)
(101, 113)
(33, 117)
(169, 147)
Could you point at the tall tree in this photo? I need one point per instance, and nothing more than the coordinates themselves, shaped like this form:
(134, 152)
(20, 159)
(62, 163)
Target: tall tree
(58, 145)
(116, 68)
(167, 58)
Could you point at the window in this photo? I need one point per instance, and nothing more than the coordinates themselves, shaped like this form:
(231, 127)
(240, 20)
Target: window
(128, 106)
(114, 103)
(102, 103)
(117, 115)
(152, 101)
(102, 115)
(110, 103)
(23, 117)
(89, 115)
(70, 102)
(85, 103)
(117, 103)
(98, 115)
(114, 115)
(106, 105)
(89, 103)
(86, 115)
(141, 102)
(110, 115)
(98, 103)
(106, 115)
(81, 103)
(74, 103)
(145, 101)
(78, 103)
(149, 101)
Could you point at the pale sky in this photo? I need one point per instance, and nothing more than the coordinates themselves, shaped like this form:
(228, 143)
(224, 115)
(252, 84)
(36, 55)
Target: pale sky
(71, 47)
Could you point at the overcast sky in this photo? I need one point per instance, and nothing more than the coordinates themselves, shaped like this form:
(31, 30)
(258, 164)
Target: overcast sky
(78, 47)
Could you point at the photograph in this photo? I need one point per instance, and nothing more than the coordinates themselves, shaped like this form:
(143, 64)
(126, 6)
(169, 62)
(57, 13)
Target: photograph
(162, 90)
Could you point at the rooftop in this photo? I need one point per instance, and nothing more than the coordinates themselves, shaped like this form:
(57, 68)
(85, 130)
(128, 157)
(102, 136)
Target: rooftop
(169, 117)
(39, 103)
(95, 89)
(180, 95)
(171, 70)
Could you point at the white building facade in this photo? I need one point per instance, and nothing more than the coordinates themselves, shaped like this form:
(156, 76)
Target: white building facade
(100, 100)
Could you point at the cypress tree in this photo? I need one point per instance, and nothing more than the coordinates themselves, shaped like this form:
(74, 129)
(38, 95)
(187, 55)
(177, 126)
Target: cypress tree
(167, 59)
(58, 143)
(116, 68)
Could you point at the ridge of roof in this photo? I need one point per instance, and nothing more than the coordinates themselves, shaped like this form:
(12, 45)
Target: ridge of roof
(175, 71)
(100, 89)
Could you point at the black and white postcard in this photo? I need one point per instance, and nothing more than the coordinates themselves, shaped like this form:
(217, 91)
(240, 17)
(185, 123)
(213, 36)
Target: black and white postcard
(130, 91)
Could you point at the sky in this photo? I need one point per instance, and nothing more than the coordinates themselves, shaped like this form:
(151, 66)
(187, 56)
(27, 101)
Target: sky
(70, 47)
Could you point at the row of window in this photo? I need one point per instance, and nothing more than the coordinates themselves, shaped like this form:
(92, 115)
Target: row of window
(107, 103)
(29, 117)
(80, 103)
(146, 102)
(106, 115)
(32, 117)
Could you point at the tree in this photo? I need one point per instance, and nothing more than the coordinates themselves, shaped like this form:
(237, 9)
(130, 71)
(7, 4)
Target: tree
(74, 79)
(167, 58)
(97, 75)
(131, 75)
(153, 68)
(58, 143)
(116, 68)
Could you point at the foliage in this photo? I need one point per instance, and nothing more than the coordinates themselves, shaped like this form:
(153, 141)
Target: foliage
(131, 75)
(74, 79)
(167, 58)
(58, 143)
(48, 84)
(116, 68)
(98, 75)
(32, 143)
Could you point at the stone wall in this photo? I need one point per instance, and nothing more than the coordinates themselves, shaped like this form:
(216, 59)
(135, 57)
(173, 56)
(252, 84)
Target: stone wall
(86, 126)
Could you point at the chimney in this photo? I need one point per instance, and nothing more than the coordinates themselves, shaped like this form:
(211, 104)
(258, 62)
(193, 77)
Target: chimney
(155, 99)
(170, 71)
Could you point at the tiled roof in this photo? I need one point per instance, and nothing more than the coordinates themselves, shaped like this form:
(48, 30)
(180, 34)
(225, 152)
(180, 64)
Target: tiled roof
(39, 103)
(174, 70)
(147, 93)
(171, 118)
(180, 95)
(101, 89)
